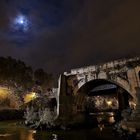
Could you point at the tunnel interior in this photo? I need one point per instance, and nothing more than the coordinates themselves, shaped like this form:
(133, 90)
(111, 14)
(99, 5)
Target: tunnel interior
(104, 97)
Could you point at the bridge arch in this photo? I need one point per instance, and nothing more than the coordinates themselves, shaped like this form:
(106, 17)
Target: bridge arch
(75, 85)
(114, 80)
(96, 82)
(123, 94)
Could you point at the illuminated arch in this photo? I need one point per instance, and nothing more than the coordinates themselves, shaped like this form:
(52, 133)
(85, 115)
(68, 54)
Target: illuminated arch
(96, 82)
(123, 99)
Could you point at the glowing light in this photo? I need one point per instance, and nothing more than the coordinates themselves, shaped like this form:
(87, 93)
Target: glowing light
(4, 91)
(132, 104)
(101, 126)
(109, 103)
(30, 96)
(20, 19)
(111, 114)
(111, 119)
(20, 22)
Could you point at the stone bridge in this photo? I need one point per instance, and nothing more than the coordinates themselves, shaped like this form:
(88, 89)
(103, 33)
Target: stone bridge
(78, 83)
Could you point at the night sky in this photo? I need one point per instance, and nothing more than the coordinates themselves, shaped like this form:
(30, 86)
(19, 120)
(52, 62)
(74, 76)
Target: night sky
(58, 35)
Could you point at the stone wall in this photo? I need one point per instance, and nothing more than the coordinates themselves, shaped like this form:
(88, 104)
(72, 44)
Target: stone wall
(123, 73)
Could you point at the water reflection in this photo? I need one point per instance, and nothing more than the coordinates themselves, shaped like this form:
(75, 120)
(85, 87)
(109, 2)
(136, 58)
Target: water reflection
(101, 126)
(26, 135)
(54, 136)
(105, 117)
(10, 131)
(111, 119)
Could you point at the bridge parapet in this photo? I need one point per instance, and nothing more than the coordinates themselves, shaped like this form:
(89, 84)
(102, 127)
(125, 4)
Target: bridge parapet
(123, 72)
(111, 66)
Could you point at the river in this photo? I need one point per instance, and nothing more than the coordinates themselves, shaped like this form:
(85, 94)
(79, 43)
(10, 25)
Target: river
(9, 130)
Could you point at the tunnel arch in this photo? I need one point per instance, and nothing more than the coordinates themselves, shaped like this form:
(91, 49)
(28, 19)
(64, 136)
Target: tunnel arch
(122, 100)
(96, 82)
(123, 97)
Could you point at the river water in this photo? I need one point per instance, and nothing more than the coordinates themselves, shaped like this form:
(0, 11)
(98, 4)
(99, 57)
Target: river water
(9, 130)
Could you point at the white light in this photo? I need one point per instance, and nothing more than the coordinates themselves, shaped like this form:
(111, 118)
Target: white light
(109, 103)
(20, 19)
(21, 22)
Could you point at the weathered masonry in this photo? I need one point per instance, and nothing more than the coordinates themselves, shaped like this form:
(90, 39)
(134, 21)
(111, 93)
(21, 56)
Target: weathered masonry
(76, 84)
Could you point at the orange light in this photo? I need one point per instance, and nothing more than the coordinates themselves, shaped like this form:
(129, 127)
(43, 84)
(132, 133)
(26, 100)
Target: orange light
(30, 96)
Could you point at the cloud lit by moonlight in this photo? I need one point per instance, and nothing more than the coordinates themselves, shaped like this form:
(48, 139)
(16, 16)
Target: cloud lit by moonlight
(20, 23)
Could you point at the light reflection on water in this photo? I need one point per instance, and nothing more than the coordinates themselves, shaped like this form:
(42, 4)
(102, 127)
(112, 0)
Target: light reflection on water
(10, 131)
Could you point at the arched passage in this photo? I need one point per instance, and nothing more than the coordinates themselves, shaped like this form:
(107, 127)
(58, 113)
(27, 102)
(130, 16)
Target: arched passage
(101, 86)
(104, 96)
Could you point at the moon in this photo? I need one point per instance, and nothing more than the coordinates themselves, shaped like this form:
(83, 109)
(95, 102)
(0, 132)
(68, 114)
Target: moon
(20, 20)
(21, 23)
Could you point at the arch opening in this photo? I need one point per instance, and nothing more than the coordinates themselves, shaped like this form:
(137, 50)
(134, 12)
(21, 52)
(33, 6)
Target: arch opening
(105, 98)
